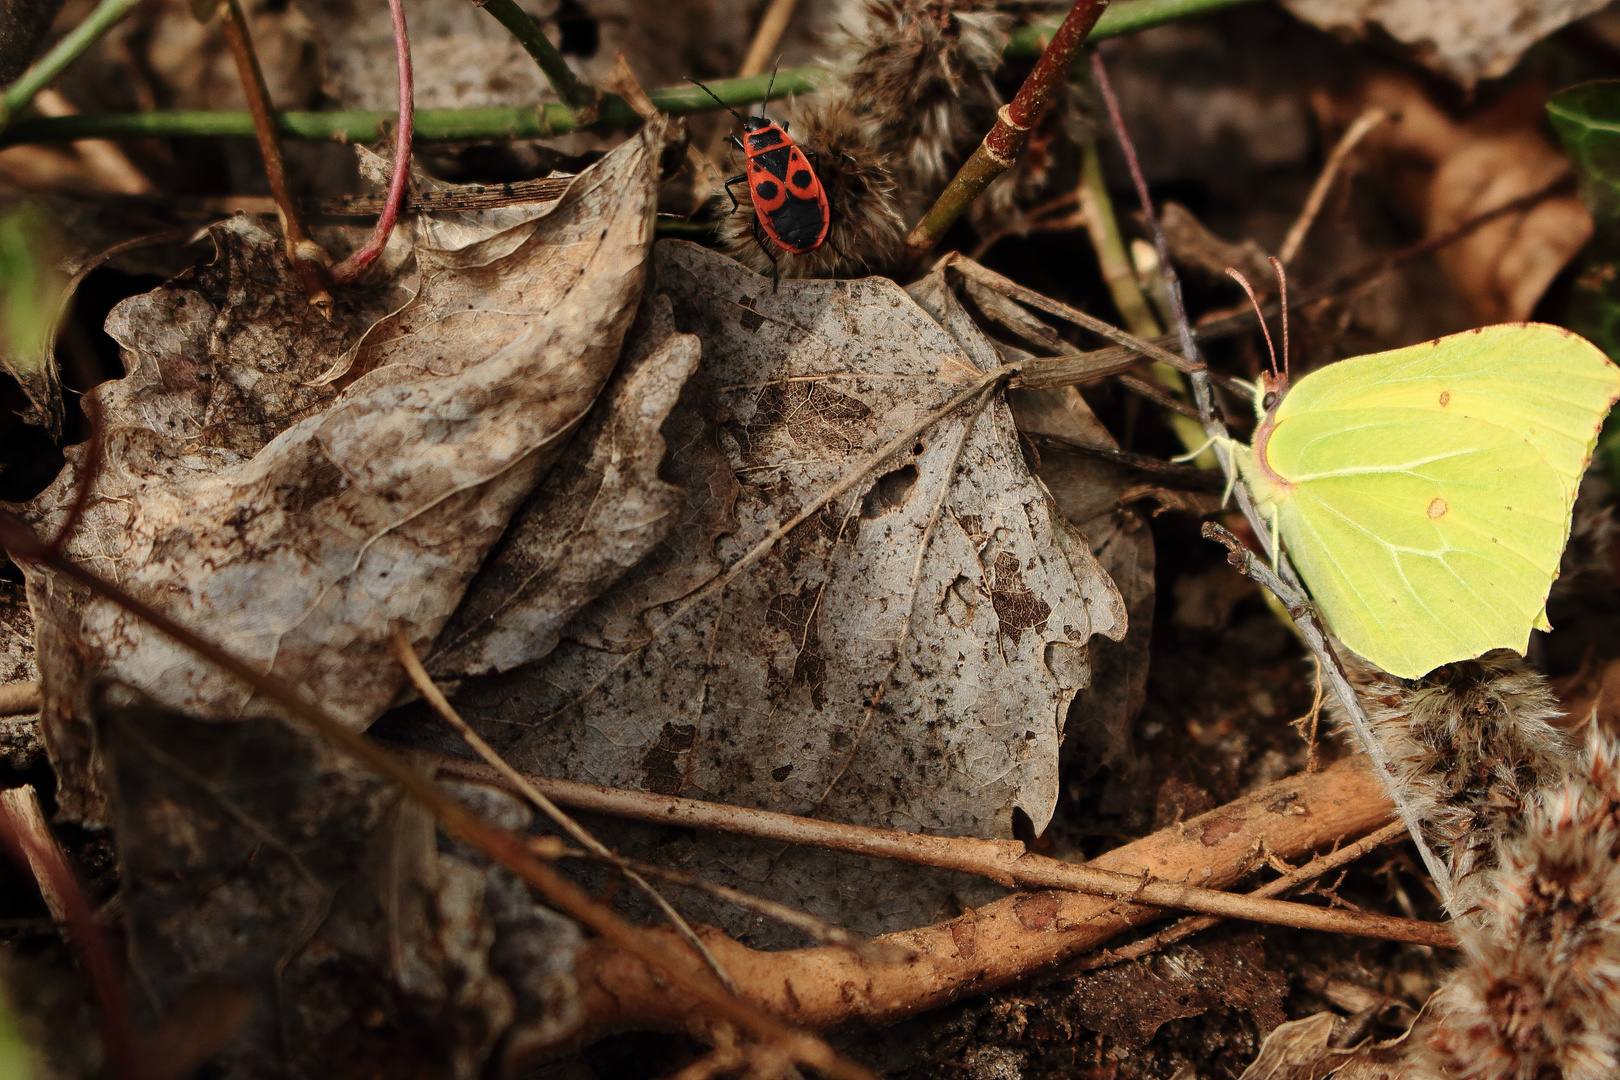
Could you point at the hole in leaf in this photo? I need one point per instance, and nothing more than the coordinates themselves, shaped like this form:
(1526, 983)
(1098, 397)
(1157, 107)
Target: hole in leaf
(891, 490)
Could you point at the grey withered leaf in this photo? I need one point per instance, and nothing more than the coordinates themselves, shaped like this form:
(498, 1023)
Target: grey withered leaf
(597, 513)
(253, 857)
(854, 671)
(374, 510)
(1054, 420)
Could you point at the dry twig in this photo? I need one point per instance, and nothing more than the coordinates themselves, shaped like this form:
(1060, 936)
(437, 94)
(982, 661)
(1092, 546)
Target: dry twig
(1004, 861)
(29, 839)
(996, 154)
(309, 260)
(1347, 143)
(1185, 928)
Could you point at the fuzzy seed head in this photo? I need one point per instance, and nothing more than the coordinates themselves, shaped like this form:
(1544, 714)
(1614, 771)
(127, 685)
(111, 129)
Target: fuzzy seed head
(1471, 746)
(1537, 995)
(921, 70)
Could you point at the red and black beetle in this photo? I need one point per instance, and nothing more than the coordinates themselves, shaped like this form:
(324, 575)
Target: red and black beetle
(790, 204)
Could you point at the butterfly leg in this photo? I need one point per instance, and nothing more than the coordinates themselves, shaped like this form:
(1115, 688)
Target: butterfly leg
(1191, 454)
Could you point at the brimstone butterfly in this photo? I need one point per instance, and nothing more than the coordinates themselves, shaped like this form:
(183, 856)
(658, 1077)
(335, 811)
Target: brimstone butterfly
(1424, 494)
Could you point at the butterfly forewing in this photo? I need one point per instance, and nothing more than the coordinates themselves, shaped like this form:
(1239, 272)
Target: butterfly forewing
(1429, 489)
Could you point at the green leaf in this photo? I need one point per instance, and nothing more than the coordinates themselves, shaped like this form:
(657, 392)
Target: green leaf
(1587, 119)
(31, 287)
(16, 1063)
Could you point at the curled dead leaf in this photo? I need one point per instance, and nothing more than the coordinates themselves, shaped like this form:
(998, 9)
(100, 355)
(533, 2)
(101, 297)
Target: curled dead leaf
(296, 525)
(1447, 171)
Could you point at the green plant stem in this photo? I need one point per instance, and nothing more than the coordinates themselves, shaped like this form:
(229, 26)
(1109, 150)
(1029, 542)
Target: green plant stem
(432, 125)
(1112, 258)
(1125, 17)
(70, 48)
(577, 95)
(996, 154)
(531, 122)
(1120, 275)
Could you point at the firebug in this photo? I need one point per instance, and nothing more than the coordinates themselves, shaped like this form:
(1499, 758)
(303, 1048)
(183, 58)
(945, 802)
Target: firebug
(790, 204)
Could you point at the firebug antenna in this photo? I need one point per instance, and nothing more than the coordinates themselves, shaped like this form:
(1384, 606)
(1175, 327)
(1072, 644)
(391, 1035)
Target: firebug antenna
(1282, 288)
(770, 85)
(716, 97)
(1243, 281)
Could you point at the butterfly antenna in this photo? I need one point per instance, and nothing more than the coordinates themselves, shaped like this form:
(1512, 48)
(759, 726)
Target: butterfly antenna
(1282, 288)
(1243, 281)
(716, 97)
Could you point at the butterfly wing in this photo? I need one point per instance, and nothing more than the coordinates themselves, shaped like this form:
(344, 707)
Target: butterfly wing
(1429, 489)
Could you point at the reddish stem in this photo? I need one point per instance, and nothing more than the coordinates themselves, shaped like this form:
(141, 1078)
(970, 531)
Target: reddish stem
(307, 257)
(355, 265)
(999, 149)
(43, 859)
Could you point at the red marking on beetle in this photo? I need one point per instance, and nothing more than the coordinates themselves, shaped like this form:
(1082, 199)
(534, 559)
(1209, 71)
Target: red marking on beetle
(789, 201)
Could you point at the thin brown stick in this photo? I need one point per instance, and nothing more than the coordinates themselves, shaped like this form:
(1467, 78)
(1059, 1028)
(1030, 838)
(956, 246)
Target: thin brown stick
(767, 37)
(351, 268)
(1030, 298)
(678, 971)
(1156, 394)
(1185, 928)
(33, 847)
(1003, 861)
(1011, 938)
(996, 154)
(400, 646)
(819, 929)
(1363, 126)
(19, 699)
(309, 260)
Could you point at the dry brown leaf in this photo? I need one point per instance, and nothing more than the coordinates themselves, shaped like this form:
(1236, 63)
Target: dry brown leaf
(371, 508)
(801, 687)
(1448, 171)
(1299, 1050)
(1468, 40)
(1098, 732)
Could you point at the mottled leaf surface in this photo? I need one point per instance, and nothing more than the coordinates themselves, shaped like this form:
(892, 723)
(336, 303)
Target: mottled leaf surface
(854, 671)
